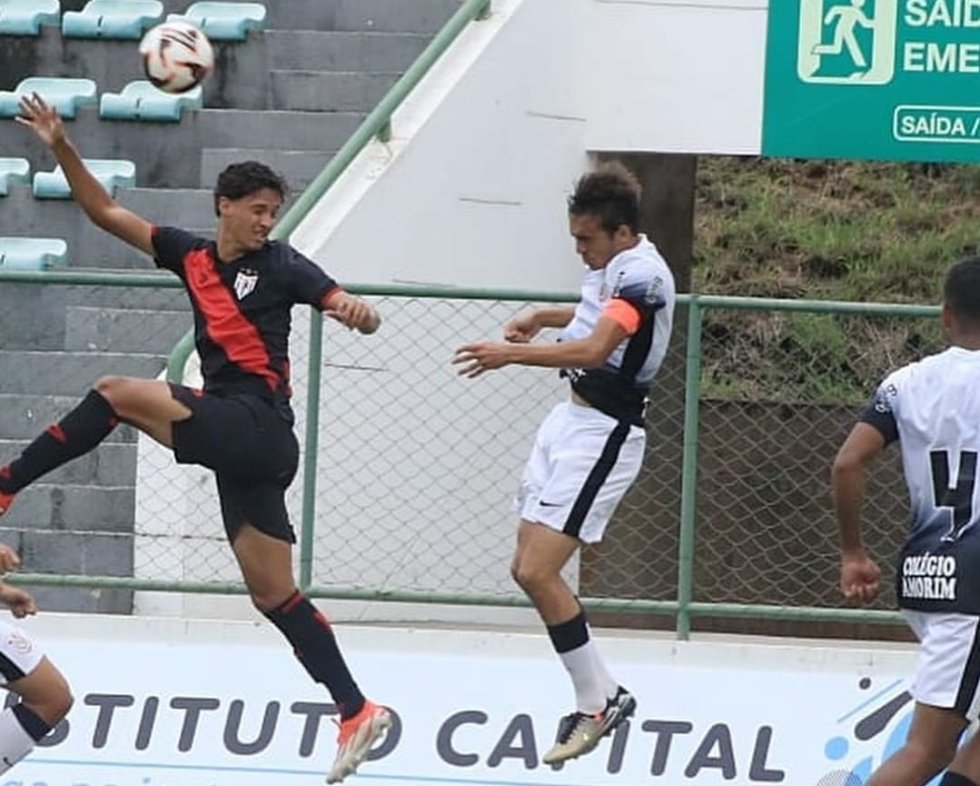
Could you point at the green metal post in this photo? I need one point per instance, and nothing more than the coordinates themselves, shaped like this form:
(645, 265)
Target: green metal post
(689, 476)
(312, 443)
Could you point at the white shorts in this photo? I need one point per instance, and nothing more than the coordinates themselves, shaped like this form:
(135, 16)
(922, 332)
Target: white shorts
(947, 671)
(582, 463)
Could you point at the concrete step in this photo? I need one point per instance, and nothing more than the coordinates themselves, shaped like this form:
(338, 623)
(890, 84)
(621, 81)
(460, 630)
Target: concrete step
(91, 247)
(75, 508)
(125, 330)
(24, 416)
(336, 50)
(72, 553)
(110, 464)
(329, 91)
(299, 167)
(179, 207)
(70, 373)
(169, 155)
(33, 316)
(418, 16)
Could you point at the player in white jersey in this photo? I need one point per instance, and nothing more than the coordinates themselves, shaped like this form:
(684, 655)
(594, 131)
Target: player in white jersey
(932, 408)
(25, 671)
(589, 449)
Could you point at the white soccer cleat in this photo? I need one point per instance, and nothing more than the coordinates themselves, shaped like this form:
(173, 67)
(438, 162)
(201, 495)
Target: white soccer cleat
(357, 735)
(579, 733)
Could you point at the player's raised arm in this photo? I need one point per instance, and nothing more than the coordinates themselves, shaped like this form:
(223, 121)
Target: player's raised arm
(98, 205)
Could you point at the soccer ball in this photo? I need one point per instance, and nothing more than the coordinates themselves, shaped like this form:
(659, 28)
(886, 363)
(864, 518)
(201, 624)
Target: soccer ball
(176, 56)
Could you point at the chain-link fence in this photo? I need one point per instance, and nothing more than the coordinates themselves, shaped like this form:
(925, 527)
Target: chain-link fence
(409, 471)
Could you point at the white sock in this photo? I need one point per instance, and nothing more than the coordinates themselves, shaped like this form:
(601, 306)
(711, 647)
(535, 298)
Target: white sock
(606, 680)
(592, 681)
(15, 742)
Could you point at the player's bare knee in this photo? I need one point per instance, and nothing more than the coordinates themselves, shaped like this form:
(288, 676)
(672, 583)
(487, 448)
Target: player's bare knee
(515, 572)
(931, 758)
(530, 577)
(113, 389)
(269, 601)
(46, 692)
(52, 709)
(56, 706)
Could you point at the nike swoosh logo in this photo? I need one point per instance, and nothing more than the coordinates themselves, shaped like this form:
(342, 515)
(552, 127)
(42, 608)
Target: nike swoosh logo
(550, 504)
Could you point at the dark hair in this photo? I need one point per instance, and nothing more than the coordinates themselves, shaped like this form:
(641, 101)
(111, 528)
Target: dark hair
(244, 178)
(962, 290)
(611, 193)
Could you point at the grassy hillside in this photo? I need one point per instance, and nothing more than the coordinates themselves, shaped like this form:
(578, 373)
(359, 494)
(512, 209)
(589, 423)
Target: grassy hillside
(830, 231)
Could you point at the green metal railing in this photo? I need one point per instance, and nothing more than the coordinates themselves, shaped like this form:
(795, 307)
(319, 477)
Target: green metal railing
(684, 608)
(377, 125)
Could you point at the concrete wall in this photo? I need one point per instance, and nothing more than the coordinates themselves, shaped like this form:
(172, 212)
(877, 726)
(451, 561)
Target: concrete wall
(417, 468)
(471, 188)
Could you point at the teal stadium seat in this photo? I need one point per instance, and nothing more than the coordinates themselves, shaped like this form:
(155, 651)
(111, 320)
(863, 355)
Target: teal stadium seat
(119, 19)
(142, 101)
(13, 170)
(65, 94)
(111, 173)
(25, 17)
(223, 21)
(32, 253)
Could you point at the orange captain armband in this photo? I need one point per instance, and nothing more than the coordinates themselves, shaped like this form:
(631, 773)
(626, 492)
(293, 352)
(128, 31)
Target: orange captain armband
(624, 313)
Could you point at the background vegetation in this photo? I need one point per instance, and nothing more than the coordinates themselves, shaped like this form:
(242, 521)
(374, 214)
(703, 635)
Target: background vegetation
(853, 231)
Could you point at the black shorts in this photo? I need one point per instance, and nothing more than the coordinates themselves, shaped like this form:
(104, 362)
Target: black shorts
(252, 450)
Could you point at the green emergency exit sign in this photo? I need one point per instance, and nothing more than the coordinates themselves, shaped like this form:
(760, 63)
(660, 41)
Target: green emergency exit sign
(883, 79)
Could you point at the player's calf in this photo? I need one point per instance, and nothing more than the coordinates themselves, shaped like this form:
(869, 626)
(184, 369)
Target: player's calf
(45, 701)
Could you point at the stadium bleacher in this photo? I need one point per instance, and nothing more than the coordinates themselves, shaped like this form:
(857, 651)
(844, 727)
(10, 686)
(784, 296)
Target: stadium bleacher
(120, 19)
(293, 80)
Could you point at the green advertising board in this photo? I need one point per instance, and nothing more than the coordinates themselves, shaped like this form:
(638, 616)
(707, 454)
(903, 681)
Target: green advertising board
(875, 79)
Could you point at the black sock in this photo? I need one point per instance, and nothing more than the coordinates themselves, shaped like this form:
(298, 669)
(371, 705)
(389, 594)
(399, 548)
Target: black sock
(955, 779)
(569, 635)
(35, 726)
(316, 648)
(77, 433)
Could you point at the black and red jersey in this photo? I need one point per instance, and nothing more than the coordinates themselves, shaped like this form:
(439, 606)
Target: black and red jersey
(242, 310)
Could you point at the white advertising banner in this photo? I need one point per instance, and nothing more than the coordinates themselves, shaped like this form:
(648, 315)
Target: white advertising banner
(165, 703)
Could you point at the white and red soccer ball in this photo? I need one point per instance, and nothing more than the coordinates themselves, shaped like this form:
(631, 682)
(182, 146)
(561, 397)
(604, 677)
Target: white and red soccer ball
(176, 56)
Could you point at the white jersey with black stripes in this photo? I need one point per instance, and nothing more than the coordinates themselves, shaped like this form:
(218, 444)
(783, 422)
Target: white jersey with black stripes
(933, 408)
(639, 277)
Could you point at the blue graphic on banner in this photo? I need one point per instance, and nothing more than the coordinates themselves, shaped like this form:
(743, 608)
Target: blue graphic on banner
(891, 706)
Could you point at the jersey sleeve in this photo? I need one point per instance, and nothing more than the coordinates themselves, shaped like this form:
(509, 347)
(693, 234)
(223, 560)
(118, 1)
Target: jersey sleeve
(171, 245)
(636, 296)
(880, 413)
(308, 282)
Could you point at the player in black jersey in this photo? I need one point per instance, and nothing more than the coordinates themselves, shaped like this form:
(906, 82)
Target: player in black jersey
(241, 287)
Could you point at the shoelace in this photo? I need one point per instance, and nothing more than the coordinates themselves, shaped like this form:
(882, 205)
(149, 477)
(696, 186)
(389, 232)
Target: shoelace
(569, 724)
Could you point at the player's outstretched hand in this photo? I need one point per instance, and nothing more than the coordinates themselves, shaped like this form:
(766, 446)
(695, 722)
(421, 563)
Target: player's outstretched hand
(42, 119)
(353, 313)
(860, 578)
(522, 328)
(20, 602)
(9, 559)
(474, 359)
